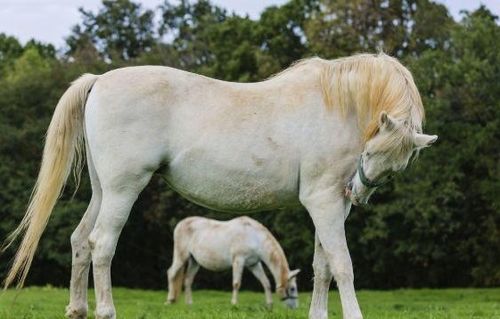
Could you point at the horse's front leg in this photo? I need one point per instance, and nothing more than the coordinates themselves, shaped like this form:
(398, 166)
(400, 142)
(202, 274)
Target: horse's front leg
(322, 280)
(328, 210)
(259, 273)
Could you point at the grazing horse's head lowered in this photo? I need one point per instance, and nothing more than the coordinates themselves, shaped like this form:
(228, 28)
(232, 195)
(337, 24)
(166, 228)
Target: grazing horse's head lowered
(290, 293)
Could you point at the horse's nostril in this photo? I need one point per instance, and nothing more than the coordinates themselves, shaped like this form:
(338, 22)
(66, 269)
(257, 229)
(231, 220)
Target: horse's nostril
(349, 185)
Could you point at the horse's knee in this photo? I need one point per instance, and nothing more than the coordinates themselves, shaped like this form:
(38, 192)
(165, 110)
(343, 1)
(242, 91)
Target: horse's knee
(236, 285)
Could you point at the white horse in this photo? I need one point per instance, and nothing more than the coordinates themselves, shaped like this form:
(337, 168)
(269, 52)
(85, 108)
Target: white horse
(296, 139)
(237, 243)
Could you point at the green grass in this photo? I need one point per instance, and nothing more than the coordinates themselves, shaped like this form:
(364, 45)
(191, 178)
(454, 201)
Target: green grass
(48, 302)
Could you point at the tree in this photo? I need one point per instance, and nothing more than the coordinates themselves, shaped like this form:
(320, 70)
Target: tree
(120, 30)
(398, 27)
(10, 49)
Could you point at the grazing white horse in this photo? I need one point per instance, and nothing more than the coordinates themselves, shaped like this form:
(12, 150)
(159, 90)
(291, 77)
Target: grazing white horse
(237, 243)
(296, 139)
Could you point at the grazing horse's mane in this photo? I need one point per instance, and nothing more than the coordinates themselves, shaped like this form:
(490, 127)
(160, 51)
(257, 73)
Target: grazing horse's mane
(370, 83)
(279, 258)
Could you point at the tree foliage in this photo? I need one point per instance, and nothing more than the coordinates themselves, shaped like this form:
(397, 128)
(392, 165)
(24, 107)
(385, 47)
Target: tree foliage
(437, 224)
(121, 29)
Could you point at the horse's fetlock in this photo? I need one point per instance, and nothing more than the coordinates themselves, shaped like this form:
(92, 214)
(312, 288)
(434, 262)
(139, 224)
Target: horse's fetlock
(76, 312)
(105, 312)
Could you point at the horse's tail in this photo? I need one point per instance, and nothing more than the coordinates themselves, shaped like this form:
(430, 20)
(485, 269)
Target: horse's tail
(64, 145)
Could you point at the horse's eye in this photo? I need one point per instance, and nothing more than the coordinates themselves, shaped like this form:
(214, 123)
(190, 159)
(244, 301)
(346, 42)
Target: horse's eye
(368, 154)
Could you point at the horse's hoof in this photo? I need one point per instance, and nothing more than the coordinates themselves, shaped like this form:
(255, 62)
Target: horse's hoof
(105, 313)
(169, 301)
(76, 312)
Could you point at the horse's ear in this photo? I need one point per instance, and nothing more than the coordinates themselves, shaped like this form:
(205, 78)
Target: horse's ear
(293, 273)
(385, 121)
(424, 140)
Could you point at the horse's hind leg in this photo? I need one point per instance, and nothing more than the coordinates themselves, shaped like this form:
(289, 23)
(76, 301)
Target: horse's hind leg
(77, 308)
(81, 258)
(118, 195)
(192, 269)
(175, 273)
(238, 265)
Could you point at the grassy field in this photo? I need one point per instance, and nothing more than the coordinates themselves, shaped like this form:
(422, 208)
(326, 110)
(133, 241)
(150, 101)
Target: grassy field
(49, 303)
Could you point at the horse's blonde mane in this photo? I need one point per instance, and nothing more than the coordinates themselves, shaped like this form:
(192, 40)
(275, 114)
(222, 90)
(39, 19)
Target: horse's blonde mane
(370, 84)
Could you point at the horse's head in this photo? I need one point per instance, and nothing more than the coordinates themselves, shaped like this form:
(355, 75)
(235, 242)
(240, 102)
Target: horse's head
(387, 152)
(290, 293)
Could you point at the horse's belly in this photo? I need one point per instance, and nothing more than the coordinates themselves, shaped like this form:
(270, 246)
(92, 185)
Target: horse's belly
(235, 188)
(211, 251)
(214, 263)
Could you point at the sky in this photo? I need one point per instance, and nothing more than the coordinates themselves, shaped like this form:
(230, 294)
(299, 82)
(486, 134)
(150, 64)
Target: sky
(51, 20)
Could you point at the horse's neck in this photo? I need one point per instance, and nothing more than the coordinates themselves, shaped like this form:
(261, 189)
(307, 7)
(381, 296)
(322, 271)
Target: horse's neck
(275, 260)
